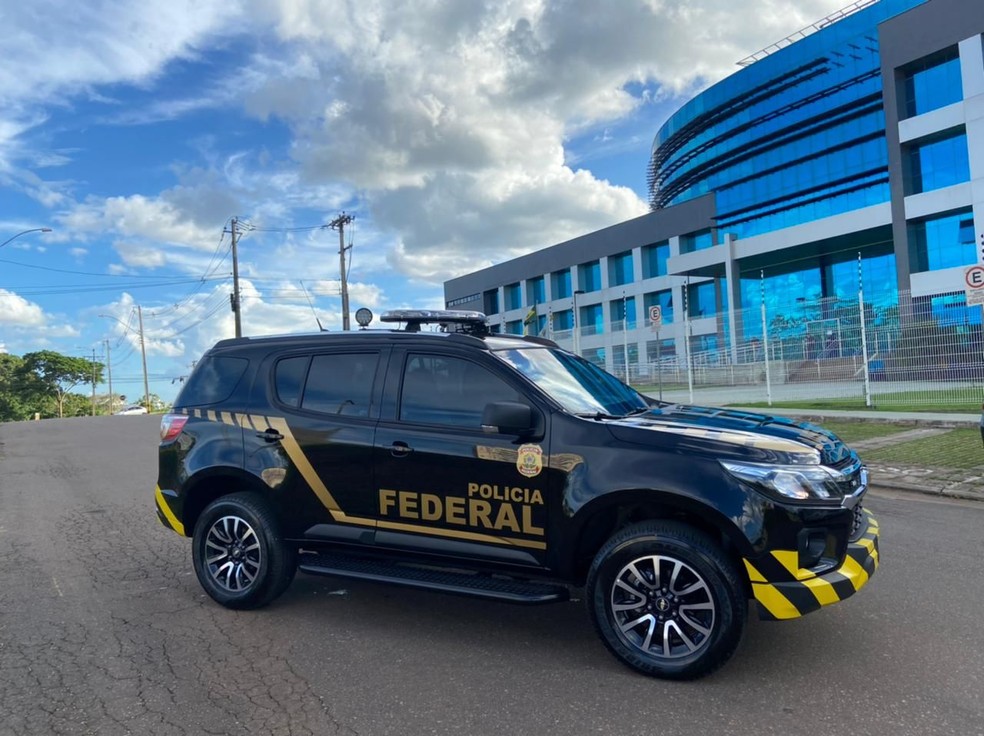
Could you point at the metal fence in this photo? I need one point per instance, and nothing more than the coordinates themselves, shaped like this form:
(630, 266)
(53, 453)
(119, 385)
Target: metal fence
(893, 353)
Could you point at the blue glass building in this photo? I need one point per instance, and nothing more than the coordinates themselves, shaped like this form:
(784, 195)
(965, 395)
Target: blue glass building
(852, 155)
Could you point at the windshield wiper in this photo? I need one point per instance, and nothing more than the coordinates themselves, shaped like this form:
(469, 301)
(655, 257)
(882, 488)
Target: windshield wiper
(599, 415)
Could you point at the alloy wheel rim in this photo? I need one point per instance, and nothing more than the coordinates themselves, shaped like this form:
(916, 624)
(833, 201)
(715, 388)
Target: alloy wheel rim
(663, 607)
(232, 553)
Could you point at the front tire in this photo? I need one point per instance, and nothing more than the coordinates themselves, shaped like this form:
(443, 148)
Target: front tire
(666, 601)
(239, 555)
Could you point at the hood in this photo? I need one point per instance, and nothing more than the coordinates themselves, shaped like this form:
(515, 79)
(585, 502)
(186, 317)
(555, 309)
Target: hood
(737, 434)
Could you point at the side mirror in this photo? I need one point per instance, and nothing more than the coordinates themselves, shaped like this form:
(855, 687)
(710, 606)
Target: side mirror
(507, 417)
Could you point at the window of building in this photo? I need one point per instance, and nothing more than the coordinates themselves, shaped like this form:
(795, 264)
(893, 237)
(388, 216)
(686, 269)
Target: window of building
(595, 356)
(878, 278)
(340, 384)
(591, 320)
(439, 389)
(490, 301)
(654, 259)
(563, 320)
(930, 83)
(515, 327)
(536, 291)
(660, 350)
(700, 240)
(620, 269)
(589, 276)
(618, 310)
(560, 284)
(937, 162)
(942, 241)
(663, 299)
(700, 300)
(513, 296)
(463, 300)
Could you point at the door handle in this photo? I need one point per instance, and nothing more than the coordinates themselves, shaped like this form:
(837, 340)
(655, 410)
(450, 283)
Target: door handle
(400, 449)
(270, 435)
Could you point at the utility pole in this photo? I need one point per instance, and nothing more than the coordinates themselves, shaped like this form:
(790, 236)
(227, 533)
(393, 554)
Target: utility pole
(339, 224)
(109, 369)
(143, 354)
(235, 277)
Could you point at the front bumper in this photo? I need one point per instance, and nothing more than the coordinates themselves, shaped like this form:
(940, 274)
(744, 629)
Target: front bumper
(783, 590)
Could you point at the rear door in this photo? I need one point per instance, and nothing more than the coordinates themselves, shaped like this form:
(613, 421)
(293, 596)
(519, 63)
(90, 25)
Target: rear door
(316, 440)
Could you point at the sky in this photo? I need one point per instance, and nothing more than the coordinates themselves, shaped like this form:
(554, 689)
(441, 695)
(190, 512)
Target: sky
(457, 133)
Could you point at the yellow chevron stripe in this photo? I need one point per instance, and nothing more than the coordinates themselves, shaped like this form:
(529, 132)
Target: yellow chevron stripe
(823, 591)
(753, 574)
(775, 602)
(854, 572)
(168, 514)
(790, 560)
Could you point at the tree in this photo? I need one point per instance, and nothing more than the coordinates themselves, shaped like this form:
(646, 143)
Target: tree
(15, 396)
(56, 375)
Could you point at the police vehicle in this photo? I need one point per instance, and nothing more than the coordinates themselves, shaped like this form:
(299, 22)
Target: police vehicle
(506, 468)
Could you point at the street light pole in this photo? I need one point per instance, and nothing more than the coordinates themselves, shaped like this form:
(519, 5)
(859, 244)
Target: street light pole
(25, 232)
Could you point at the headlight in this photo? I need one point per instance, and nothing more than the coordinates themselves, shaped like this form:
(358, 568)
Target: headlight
(796, 482)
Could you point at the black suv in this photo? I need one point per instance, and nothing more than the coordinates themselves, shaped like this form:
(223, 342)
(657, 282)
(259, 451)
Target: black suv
(507, 468)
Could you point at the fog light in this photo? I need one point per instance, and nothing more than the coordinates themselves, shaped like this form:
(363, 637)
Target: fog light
(812, 543)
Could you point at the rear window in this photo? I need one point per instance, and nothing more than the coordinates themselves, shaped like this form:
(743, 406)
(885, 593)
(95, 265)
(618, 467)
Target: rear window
(340, 384)
(213, 380)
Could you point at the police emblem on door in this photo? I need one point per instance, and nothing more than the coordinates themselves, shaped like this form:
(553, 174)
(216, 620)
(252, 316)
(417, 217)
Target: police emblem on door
(529, 461)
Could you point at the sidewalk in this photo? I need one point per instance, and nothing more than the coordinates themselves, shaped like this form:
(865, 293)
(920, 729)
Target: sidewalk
(944, 482)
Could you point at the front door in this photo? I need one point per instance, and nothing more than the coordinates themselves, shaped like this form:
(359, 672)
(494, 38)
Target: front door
(445, 485)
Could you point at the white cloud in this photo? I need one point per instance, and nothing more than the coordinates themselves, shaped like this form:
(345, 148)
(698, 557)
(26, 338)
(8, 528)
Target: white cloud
(452, 117)
(53, 46)
(15, 310)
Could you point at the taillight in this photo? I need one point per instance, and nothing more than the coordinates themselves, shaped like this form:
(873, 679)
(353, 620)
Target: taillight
(171, 426)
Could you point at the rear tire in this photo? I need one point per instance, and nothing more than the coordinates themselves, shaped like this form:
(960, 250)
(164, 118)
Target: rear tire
(239, 554)
(666, 601)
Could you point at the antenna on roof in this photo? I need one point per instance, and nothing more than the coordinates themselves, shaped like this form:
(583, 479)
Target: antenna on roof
(311, 304)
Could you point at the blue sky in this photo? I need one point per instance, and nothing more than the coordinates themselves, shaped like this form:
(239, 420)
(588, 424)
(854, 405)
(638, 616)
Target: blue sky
(458, 133)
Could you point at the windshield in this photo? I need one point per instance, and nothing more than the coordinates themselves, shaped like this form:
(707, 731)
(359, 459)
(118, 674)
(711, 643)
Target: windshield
(577, 385)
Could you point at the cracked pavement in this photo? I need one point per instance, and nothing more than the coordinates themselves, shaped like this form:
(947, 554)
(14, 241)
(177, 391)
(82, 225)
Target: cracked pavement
(105, 630)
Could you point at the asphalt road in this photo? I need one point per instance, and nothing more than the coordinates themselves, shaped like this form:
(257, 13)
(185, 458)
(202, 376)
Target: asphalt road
(104, 630)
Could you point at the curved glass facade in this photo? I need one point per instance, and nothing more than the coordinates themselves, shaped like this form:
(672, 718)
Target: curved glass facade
(796, 136)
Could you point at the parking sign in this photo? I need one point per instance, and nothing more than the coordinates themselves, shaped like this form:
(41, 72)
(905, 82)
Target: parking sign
(974, 285)
(656, 316)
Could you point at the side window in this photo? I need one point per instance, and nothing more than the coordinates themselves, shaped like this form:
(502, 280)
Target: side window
(340, 383)
(438, 389)
(213, 380)
(289, 377)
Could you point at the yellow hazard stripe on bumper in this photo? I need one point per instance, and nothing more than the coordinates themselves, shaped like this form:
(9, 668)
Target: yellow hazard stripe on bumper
(807, 592)
(168, 515)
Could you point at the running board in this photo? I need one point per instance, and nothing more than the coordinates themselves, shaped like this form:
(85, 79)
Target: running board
(475, 585)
